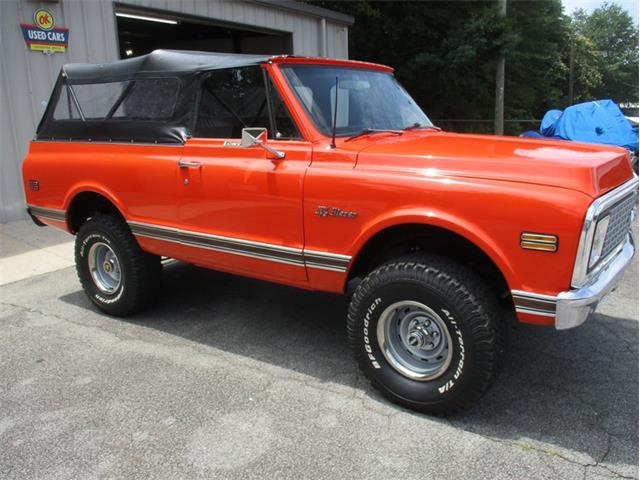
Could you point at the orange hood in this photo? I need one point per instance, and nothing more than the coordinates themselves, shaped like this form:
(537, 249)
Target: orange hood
(591, 169)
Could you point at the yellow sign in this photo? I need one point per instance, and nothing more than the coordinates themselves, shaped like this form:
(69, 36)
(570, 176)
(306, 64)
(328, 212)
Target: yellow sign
(43, 19)
(48, 48)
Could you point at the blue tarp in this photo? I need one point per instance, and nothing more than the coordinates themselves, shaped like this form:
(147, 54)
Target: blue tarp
(600, 121)
(549, 122)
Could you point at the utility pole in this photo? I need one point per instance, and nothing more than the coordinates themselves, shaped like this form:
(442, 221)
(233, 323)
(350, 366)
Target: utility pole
(572, 67)
(499, 108)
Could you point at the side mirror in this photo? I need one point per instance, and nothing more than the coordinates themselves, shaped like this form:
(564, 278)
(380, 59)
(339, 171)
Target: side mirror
(258, 136)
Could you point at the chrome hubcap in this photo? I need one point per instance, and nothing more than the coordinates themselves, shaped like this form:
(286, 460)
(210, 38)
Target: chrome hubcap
(104, 267)
(414, 340)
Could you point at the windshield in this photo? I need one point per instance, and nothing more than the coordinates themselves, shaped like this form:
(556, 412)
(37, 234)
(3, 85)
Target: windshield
(367, 99)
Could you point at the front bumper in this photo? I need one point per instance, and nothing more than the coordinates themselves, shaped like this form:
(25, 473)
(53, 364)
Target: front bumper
(574, 306)
(571, 308)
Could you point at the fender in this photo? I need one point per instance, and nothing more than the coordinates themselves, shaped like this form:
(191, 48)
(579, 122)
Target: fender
(94, 188)
(472, 232)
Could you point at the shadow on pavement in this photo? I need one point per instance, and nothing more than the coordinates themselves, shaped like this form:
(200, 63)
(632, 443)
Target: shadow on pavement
(575, 389)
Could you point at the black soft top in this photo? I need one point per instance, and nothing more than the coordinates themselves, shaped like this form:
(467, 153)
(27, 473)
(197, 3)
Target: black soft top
(158, 62)
(184, 69)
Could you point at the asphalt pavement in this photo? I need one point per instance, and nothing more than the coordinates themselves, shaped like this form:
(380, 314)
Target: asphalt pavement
(227, 377)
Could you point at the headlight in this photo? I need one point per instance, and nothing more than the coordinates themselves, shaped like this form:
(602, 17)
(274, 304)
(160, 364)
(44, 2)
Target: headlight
(598, 240)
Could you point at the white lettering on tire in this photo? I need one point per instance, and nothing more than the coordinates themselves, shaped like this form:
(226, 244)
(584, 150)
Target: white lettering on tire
(459, 368)
(367, 342)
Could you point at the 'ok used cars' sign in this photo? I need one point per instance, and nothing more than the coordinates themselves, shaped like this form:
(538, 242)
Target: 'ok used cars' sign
(44, 36)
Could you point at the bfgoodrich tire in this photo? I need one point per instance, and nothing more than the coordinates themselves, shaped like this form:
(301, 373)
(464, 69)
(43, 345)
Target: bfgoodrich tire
(115, 273)
(427, 333)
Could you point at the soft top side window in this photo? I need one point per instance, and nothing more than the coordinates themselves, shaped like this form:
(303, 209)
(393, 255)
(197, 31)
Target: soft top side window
(94, 99)
(236, 98)
(150, 99)
(138, 99)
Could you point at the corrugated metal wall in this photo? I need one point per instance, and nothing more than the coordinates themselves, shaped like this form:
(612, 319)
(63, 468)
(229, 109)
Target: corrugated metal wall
(26, 77)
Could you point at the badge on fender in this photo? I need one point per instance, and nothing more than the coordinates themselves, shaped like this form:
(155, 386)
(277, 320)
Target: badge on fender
(324, 211)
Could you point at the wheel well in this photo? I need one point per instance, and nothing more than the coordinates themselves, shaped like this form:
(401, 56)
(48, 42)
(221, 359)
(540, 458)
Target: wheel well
(84, 205)
(401, 240)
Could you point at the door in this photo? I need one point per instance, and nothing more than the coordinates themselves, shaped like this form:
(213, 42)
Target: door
(240, 209)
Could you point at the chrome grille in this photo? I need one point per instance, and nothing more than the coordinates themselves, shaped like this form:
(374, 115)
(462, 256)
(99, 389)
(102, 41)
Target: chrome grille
(619, 224)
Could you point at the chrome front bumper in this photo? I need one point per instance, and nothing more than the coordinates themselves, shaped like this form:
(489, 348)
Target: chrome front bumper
(573, 307)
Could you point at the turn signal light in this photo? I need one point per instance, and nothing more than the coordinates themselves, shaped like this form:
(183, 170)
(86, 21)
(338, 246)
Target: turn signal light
(539, 241)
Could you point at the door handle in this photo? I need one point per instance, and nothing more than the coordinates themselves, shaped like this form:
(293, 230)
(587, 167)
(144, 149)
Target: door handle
(189, 164)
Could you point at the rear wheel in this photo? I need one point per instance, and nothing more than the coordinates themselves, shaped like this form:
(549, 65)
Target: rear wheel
(115, 273)
(427, 333)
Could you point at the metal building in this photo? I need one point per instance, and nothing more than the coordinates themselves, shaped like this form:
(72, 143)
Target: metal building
(37, 38)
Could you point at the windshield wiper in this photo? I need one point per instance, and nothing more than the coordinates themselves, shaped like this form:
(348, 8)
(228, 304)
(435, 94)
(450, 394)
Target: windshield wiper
(417, 125)
(367, 131)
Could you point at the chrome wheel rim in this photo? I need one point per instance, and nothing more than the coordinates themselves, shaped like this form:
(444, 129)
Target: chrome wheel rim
(415, 340)
(104, 267)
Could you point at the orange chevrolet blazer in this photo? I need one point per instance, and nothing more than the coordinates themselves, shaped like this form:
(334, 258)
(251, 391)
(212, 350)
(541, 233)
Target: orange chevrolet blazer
(326, 175)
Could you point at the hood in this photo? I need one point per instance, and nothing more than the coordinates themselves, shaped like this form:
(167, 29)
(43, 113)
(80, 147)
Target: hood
(591, 169)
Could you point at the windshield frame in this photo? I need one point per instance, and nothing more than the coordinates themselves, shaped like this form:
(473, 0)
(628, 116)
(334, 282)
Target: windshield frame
(310, 117)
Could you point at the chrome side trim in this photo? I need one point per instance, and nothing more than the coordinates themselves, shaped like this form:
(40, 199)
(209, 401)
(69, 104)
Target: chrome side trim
(580, 269)
(52, 213)
(534, 303)
(274, 253)
(263, 251)
(326, 261)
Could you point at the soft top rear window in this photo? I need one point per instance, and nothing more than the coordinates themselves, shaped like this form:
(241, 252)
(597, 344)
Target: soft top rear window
(152, 99)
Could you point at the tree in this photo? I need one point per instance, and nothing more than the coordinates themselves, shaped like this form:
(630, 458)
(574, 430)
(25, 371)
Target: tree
(611, 39)
(535, 71)
(445, 54)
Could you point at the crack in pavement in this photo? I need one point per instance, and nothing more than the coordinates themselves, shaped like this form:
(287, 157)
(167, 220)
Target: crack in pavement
(264, 390)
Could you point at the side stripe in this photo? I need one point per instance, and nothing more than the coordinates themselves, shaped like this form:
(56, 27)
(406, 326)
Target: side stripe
(534, 303)
(326, 261)
(52, 213)
(263, 251)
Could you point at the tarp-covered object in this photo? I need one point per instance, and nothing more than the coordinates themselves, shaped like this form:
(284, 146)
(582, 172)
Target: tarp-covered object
(547, 126)
(600, 121)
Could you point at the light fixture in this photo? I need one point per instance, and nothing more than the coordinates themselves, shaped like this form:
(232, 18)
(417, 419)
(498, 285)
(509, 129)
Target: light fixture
(598, 240)
(148, 19)
(539, 241)
(128, 52)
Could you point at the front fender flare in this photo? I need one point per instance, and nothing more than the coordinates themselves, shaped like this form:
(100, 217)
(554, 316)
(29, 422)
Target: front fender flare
(470, 231)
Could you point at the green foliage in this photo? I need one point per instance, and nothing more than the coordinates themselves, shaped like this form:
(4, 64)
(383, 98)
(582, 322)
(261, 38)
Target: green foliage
(445, 54)
(609, 40)
(535, 71)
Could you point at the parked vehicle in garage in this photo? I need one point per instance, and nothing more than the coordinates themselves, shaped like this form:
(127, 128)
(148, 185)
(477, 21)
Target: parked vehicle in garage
(324, 174)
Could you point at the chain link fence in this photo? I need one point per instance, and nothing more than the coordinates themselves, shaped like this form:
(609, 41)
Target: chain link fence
(511, 127)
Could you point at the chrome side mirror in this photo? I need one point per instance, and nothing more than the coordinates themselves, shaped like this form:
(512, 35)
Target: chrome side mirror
(258, 136)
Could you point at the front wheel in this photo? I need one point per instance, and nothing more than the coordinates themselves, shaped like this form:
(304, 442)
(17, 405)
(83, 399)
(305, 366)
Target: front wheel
(427, 333)
(115, 273)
